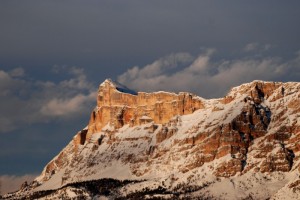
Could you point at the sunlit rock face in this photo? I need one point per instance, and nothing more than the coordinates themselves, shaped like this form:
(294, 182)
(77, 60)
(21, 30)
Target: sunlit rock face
(118, 106)
(182, 145)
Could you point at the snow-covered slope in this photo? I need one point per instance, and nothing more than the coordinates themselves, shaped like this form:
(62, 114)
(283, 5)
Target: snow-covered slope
(164, 145)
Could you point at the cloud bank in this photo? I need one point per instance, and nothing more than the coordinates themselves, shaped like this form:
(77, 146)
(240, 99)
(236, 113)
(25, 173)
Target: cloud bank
(208, 77)
(10, 183)
(26, 101)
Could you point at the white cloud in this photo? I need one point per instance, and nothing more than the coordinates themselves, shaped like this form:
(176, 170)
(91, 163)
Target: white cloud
(211, 78)
(65, 107)
(78, 82)
(9, 183)
(159, 66)
(27, 101)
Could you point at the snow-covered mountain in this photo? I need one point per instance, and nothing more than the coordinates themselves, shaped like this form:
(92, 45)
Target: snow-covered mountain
(163, 145)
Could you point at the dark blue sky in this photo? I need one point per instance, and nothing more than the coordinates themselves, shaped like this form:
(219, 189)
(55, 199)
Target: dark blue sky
(54, 54)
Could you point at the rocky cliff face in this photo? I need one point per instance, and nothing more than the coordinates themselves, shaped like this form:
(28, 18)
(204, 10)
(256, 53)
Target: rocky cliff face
(119, 106)
(244, 145)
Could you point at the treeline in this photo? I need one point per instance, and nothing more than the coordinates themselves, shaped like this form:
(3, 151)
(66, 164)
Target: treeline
(110, 187)
(92, 187)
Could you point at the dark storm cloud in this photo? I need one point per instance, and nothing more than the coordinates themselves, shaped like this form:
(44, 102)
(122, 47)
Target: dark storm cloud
(116, 32)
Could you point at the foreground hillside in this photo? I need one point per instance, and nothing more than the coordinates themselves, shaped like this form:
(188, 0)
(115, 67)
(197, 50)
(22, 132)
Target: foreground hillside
(162, 145)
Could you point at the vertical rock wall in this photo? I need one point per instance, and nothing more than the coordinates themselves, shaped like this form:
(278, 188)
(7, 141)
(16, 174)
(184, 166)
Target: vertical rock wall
(119, 108)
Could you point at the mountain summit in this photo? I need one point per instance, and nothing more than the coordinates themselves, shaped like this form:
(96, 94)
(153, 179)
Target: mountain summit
(164, 145)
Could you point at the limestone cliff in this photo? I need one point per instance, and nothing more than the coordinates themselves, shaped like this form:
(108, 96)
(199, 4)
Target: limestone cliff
(118, 106)
(181, 146)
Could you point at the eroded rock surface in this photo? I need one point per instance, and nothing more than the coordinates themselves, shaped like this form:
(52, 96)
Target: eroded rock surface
(181, 140)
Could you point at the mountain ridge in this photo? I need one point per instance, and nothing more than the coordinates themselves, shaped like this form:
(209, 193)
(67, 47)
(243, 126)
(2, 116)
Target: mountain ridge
(186, 144)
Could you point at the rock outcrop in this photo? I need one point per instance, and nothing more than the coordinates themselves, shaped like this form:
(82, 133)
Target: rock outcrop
(118, 106)
(187, 144)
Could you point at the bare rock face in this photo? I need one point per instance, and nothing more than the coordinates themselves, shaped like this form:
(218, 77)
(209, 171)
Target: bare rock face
(181, 139)
(119, 106)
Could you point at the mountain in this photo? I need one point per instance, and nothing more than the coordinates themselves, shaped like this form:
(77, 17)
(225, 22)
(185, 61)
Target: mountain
(163, 145)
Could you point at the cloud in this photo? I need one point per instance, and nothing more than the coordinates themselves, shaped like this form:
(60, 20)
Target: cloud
(17, 72)
(212, 78)
(9, 183)
(159, 66)
(9, 84)
(79, 81)
(255, 46)
(62, 107)
(26, 101)
(251, 47)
